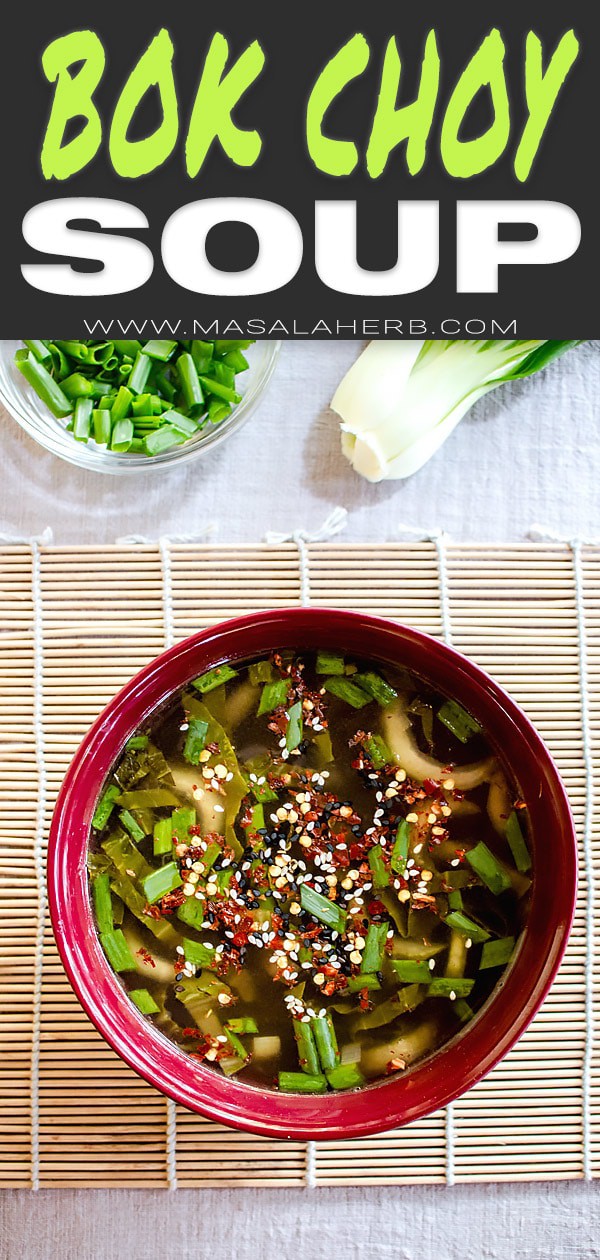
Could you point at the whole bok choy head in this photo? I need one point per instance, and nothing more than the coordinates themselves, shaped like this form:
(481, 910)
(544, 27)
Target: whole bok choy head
(402, 399)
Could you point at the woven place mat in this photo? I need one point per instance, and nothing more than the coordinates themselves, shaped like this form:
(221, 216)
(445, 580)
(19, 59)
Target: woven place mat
(75, 624)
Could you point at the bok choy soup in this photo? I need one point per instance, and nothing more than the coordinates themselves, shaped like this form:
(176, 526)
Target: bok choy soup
(310, 870)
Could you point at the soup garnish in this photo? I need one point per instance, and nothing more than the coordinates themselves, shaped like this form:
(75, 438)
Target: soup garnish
(310, 870)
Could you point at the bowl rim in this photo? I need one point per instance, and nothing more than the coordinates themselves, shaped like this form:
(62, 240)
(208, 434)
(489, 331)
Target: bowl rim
(52, 437)
(458, 1064)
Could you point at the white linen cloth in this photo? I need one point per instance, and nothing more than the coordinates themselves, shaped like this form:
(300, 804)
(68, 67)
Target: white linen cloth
(528, 453)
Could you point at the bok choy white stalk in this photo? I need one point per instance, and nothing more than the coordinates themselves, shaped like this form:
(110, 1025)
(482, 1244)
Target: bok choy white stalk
(402, 399)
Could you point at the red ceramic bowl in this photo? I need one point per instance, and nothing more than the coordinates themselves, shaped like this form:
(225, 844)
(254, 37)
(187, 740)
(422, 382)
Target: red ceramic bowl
(446, 1073)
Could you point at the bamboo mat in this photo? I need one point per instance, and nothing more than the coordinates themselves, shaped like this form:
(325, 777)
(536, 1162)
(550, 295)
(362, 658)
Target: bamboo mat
(75, 624)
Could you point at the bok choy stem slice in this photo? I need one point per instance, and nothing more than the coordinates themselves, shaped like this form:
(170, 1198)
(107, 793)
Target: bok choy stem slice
(401, 400)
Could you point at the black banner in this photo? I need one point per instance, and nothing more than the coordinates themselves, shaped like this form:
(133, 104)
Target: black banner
(317, 210)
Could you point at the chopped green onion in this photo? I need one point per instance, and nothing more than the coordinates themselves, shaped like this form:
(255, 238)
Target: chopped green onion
(137, 743)
(47, 389)
(103, 902)
(181, 821)
(293, 734)
(483, 862)
(379, 870)
(131, 825)
(377, 687)
(263, 793)
(242, 1026)
(189, 381)
(261, 672)
(363, 981)
(163, 837)
(463, 1010)
(102, 426)
(257, 821)
(214, 678)
(329, 663)
(117, 950)
(162, 350)
(198, 954)
(105, 807)
(346, 1076)
(301, 1083)
(156, 383)
(497, 953)
(458, 721)
(122, 404)
(324, 910)
(326, 1041)
(82, 419)
(467, 927)
(378, 751)
(517, 843)
(374, 950)
(399, 856)
(139, 373)
(221, 391)
(348, 691)
(408, 971)
(161, 882)
(195, 740)
(122, 436)
(272, 695)
(183, 424)
(39, 351)
(162, 440)
(308, 1056)
(144, 1001)
(192, 913)
(444, 986)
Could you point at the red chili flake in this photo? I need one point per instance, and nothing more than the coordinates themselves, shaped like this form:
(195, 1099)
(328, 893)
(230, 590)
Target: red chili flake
(432, 787)
(213, 748)
(171, 901)
(395, 1065)
(375, 908)
(146, 955)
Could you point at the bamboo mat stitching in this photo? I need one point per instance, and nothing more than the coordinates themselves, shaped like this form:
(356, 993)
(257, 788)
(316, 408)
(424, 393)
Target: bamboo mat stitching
(38, 852)
(439, 540)
(167, 591)
(588, 859)
(334, 524)
(37, 602)
(539, 533)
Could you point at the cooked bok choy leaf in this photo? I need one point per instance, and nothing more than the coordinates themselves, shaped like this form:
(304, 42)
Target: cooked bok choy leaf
(402, 399)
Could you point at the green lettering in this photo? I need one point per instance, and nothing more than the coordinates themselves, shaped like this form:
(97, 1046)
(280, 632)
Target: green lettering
(334, 157)
(132, 158)
(411, 122)
(72, 100)
(464, 158)
(541, 93)
(218, 94)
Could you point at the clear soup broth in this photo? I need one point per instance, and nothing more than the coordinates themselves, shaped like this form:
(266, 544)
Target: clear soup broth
(310, 870)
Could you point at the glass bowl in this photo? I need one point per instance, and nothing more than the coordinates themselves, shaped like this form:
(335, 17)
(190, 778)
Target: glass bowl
(431, 1082)
(21, 401)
